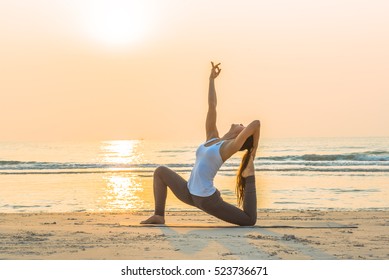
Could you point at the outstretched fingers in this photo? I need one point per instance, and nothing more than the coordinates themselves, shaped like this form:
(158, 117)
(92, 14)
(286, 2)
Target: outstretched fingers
(213, 65)
(215, 70)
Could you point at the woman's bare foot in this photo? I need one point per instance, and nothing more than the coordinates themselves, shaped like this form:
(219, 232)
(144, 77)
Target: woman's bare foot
(250, 169)
(155, 219)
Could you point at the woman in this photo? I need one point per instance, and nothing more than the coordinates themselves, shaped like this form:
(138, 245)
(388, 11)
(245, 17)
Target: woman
(199, 191)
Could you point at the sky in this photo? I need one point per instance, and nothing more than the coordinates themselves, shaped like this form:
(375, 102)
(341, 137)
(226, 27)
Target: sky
(110, 70)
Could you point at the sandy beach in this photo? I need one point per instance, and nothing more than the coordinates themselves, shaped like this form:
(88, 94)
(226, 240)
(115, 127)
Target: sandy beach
(194, 235)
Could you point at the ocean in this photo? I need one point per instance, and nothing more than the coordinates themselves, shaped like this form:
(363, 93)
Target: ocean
(298, 173)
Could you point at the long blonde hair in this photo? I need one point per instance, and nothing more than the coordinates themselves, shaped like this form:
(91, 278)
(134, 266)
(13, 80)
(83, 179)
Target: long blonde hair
(240, 180)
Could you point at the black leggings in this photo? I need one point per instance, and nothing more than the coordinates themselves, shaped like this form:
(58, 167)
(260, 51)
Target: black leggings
(213, 205)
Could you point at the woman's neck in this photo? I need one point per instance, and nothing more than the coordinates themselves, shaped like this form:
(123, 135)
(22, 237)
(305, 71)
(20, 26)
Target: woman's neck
(229, 135)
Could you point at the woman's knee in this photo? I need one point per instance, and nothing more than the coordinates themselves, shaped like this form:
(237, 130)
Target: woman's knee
(160, 170)
(248, 224)
(251, 221)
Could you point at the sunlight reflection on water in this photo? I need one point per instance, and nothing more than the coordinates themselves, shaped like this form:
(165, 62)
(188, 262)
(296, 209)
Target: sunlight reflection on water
(122, 192)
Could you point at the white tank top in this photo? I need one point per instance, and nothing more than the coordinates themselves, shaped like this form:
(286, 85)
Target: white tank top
(208, 162)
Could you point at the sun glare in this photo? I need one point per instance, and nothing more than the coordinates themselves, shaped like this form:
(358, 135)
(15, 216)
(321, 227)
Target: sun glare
(121, 152)
(117, 23)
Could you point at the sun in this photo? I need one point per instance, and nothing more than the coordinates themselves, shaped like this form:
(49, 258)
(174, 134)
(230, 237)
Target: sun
(117, 23)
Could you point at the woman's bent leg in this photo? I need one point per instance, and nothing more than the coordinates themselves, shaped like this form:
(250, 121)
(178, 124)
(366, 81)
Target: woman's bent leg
(163, 178)
(215, 206)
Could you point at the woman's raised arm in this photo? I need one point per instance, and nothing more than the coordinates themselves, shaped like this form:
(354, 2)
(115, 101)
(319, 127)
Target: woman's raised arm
(210, 124)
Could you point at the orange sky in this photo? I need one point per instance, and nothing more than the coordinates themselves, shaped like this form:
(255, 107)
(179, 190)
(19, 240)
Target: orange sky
(101, 70)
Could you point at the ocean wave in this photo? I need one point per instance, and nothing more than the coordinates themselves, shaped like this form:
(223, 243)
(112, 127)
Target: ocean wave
(174, 151)
(323, 163)
(25, 206)
(34, 165)
(337, 190)
(23, 165)
(376, 156)
(223, 171)
(369, 161)
(13, 162)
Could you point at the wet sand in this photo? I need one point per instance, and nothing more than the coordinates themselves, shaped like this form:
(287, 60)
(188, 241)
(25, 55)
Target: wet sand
(195, 235)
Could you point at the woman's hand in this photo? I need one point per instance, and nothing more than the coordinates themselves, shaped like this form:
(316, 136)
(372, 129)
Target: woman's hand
(215, 71)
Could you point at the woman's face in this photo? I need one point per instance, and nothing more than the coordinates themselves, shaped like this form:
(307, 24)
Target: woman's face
(237, 128)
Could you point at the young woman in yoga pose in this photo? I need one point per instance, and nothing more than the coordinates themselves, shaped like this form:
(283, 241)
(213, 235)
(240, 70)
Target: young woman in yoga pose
(200, 191)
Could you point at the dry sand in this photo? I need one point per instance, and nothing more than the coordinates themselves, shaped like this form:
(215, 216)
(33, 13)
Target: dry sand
(195, 235)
